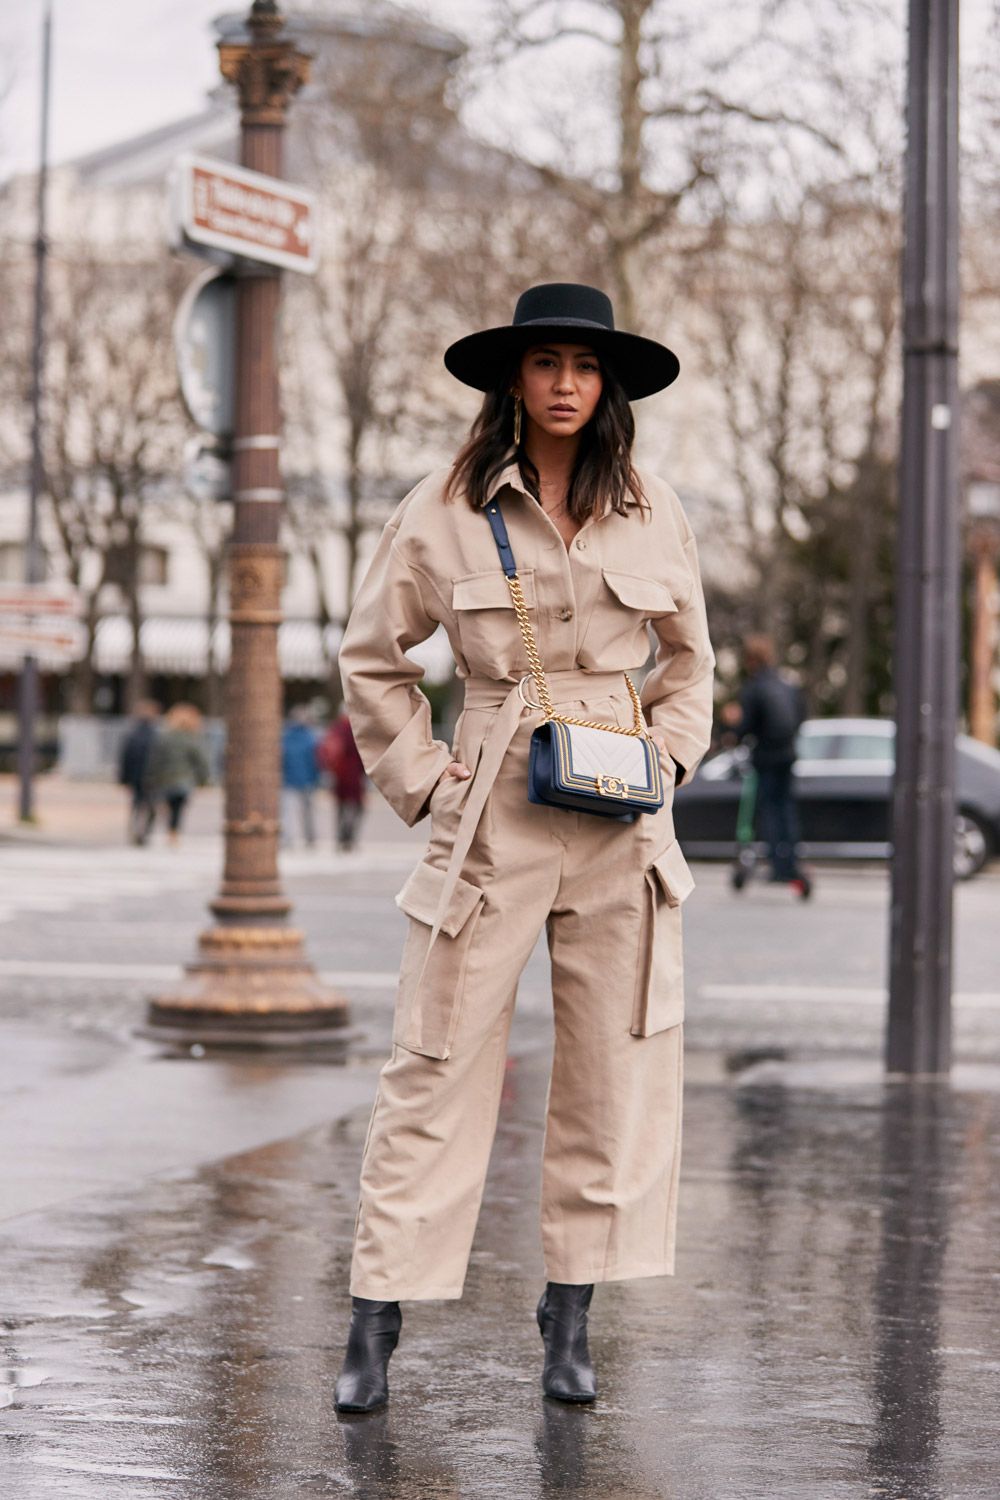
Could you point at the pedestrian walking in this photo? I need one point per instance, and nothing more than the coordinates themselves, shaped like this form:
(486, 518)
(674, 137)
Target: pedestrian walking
(178, 764)
(133, 770)
(545, 484)
(769, 714)
(299, 776)
(340, 758)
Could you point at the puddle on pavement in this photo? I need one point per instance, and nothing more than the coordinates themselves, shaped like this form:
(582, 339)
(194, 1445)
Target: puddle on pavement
(229, 1256)
(22, 1375)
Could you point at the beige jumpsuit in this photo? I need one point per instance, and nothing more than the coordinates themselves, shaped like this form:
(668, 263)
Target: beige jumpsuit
(498, 868)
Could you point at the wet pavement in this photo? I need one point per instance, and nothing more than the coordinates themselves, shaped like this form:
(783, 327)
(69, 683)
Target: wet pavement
(832, 1329)
(175, 1232)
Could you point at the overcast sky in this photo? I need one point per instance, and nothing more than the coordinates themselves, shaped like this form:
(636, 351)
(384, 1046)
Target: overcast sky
(124, 66)
(119, 67)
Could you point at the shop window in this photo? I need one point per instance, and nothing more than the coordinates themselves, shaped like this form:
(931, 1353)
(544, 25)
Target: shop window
(12, 562)
(153, 565)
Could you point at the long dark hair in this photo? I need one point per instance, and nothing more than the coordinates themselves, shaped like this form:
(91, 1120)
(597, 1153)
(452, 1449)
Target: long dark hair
(603, 475)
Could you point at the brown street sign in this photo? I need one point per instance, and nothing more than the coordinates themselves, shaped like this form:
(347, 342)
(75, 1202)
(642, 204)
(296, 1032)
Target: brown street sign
(30, 633)
(50, 638)
(221, 207)
(35, 599)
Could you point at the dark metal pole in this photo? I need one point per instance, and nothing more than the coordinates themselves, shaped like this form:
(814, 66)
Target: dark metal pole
(927, 612)
(27, 705)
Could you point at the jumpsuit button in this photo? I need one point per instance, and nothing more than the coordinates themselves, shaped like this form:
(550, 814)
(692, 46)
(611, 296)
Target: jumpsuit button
(581, 544)
(565, 613)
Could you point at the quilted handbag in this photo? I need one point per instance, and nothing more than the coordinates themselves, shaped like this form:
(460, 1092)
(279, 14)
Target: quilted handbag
(604, 769)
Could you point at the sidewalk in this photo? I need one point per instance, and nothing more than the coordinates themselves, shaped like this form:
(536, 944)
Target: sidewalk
(89, 812)
(94, 814)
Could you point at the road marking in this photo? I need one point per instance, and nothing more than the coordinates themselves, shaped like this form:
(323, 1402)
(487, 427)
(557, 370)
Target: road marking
(28, 968)
(385, 979)
(825, 994)
(48, 881)
(42, 968)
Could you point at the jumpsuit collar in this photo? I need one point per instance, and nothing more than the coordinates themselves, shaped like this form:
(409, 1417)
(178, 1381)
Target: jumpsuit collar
(510, 475)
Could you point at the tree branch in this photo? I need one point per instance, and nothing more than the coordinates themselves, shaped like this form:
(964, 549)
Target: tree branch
(706, 103)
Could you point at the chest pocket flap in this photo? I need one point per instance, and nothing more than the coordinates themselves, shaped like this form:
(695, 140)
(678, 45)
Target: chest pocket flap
(490, 590)
(636, 592)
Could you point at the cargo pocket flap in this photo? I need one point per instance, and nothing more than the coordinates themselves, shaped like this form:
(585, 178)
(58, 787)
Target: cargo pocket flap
(421, 895)
(635, 592)
(671, 869)
(491, 590)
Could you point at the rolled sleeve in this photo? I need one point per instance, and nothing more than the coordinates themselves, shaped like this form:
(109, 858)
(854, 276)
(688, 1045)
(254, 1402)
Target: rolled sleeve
(390, 716)
(677, 694)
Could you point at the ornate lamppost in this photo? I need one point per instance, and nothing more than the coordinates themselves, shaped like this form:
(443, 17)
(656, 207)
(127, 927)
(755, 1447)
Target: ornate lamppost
(251, 980)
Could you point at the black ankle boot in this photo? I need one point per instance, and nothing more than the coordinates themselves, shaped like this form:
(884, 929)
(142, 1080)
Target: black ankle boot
(568, 1374)
(373, 1335)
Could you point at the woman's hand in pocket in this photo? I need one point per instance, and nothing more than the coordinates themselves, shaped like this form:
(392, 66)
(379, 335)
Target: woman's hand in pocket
(457, 769)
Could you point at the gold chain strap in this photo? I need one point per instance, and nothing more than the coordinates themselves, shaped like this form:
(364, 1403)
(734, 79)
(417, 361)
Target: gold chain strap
(542, 687)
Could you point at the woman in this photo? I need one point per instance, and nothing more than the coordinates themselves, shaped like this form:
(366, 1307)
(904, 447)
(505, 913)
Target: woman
(601, 551)
(178, 764)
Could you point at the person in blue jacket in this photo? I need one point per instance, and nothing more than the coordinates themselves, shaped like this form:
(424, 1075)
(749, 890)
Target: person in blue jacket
(299, 775)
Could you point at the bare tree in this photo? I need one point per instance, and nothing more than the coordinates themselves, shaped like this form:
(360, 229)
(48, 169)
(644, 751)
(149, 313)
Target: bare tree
(208, 524)
(354, 305)
(113, 430)
(804, 363)
(431, 234)
(656, 115)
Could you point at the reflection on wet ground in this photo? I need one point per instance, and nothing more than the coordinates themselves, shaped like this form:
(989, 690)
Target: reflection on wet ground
(832, 1330)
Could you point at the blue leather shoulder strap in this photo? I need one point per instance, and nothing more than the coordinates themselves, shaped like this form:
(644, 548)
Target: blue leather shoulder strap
(499, 528)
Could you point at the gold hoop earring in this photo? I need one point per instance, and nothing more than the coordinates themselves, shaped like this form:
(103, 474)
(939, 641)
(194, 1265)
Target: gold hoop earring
(517, 421)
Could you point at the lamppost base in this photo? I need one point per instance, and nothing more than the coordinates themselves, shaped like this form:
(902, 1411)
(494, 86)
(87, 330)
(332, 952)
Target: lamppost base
(319, 1043)
(249, 983)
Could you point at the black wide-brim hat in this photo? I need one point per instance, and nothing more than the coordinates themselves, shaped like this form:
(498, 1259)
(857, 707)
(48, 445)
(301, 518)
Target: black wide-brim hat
(566, 313)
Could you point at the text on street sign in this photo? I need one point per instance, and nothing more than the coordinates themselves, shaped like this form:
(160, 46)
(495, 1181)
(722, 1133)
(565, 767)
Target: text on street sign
(34, 635)
(35, 599)
(247, 213)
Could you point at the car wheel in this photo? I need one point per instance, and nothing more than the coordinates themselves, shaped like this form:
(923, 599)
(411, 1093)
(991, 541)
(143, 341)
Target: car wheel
(972, 845)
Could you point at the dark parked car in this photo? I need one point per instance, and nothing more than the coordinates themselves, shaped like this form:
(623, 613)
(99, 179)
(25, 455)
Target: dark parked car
(844, 789)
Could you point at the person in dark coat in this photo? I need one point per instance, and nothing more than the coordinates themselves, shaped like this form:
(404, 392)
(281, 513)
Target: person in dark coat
(769, 713)
(339, 757)
(133, 769)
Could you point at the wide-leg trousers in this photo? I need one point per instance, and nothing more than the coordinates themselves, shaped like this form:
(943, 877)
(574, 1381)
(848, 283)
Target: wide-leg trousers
(608, 895)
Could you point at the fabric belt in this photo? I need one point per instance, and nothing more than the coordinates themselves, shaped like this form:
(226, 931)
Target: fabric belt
(571, 685)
